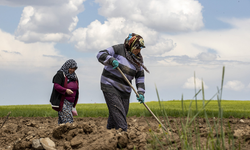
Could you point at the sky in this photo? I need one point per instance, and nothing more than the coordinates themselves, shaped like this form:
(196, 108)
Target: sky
(187, 42)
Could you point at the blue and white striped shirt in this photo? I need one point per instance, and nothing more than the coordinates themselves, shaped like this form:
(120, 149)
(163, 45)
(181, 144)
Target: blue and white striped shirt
(112, 80)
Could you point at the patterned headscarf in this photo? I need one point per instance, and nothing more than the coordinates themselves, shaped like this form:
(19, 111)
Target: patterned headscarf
(71, 63)
(132, 42)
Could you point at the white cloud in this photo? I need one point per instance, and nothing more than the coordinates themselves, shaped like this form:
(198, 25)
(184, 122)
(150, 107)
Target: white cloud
(47, 22)
(189, 84)
(16, 55)
(234, 85)
(162, 46)
(238, 23)
(31, 2)
(161, 15)
(99, 36)
(214, 46)
(52, 23)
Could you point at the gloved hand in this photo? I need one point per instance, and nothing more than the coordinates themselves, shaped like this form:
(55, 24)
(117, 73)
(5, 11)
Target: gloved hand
(74, 112)
(115, 64)
(140, 98)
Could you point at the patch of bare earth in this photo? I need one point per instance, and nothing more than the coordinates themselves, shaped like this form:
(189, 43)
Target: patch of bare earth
(91, 134)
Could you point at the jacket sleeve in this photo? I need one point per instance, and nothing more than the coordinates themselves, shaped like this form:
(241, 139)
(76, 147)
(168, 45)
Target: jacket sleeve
(106, 56)
(139, 81)
(60, 89)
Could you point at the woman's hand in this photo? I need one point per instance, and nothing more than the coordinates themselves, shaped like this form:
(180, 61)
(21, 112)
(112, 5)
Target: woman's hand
(140, 99)
(69, 91)
(115, 64)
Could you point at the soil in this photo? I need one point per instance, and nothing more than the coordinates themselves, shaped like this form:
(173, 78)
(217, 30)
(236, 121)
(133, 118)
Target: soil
(143, 133)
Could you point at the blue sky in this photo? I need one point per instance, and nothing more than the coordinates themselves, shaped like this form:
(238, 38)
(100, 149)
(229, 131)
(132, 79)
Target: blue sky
(182, 37)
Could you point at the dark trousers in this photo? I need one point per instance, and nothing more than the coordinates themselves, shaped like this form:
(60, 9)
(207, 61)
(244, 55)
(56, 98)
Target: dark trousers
(118, 109)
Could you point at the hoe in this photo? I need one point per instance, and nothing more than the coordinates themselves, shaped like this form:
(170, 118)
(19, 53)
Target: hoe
(143, 103)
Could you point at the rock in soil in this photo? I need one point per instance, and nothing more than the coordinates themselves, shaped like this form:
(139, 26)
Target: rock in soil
(91, 133)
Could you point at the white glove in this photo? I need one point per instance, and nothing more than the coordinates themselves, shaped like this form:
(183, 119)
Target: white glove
(74, 112)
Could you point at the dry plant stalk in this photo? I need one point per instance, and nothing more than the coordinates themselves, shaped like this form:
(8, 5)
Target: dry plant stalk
(5, 119)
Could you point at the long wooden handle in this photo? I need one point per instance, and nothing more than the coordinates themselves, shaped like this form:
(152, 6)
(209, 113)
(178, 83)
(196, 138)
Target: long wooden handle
(143, 102)
(128, 81)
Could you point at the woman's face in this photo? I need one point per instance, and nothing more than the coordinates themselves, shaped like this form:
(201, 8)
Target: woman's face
(136, 51)
(71, 70)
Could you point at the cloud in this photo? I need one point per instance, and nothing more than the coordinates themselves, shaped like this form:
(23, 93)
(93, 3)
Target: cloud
(184, 59)
(189, 84)
(162, 46)
(214, 47)
(98, 36)
(167, 15)
(11, 52)
(53, 56)
(29, 57)
(16, 3)
(52, 23)
(237, 22)
(210, 47)
(48, 22)
(45, 24)
(234, 85)
(204, 56)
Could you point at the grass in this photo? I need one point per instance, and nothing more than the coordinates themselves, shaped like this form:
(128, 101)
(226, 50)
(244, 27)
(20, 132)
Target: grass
(173, 108)
(189, 133)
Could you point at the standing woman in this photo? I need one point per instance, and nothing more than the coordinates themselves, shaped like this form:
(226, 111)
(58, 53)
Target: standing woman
(65, 92)
(115, 89)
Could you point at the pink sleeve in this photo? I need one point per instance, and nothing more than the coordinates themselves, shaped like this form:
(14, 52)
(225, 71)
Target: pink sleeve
(59, 88)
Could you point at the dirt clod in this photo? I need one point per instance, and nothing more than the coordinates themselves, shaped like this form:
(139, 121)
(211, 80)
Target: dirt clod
(91, 133)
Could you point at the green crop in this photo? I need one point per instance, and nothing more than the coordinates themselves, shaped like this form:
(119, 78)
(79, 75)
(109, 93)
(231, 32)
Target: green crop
(235, 108)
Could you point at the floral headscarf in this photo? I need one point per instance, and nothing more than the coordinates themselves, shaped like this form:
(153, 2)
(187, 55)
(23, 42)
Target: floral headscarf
(132, 42)
(71, 63)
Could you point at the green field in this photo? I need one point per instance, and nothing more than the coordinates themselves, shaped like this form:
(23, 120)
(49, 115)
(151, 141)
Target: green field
(174, 108)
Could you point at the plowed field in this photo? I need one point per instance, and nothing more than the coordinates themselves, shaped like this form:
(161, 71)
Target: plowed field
(91, 133)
